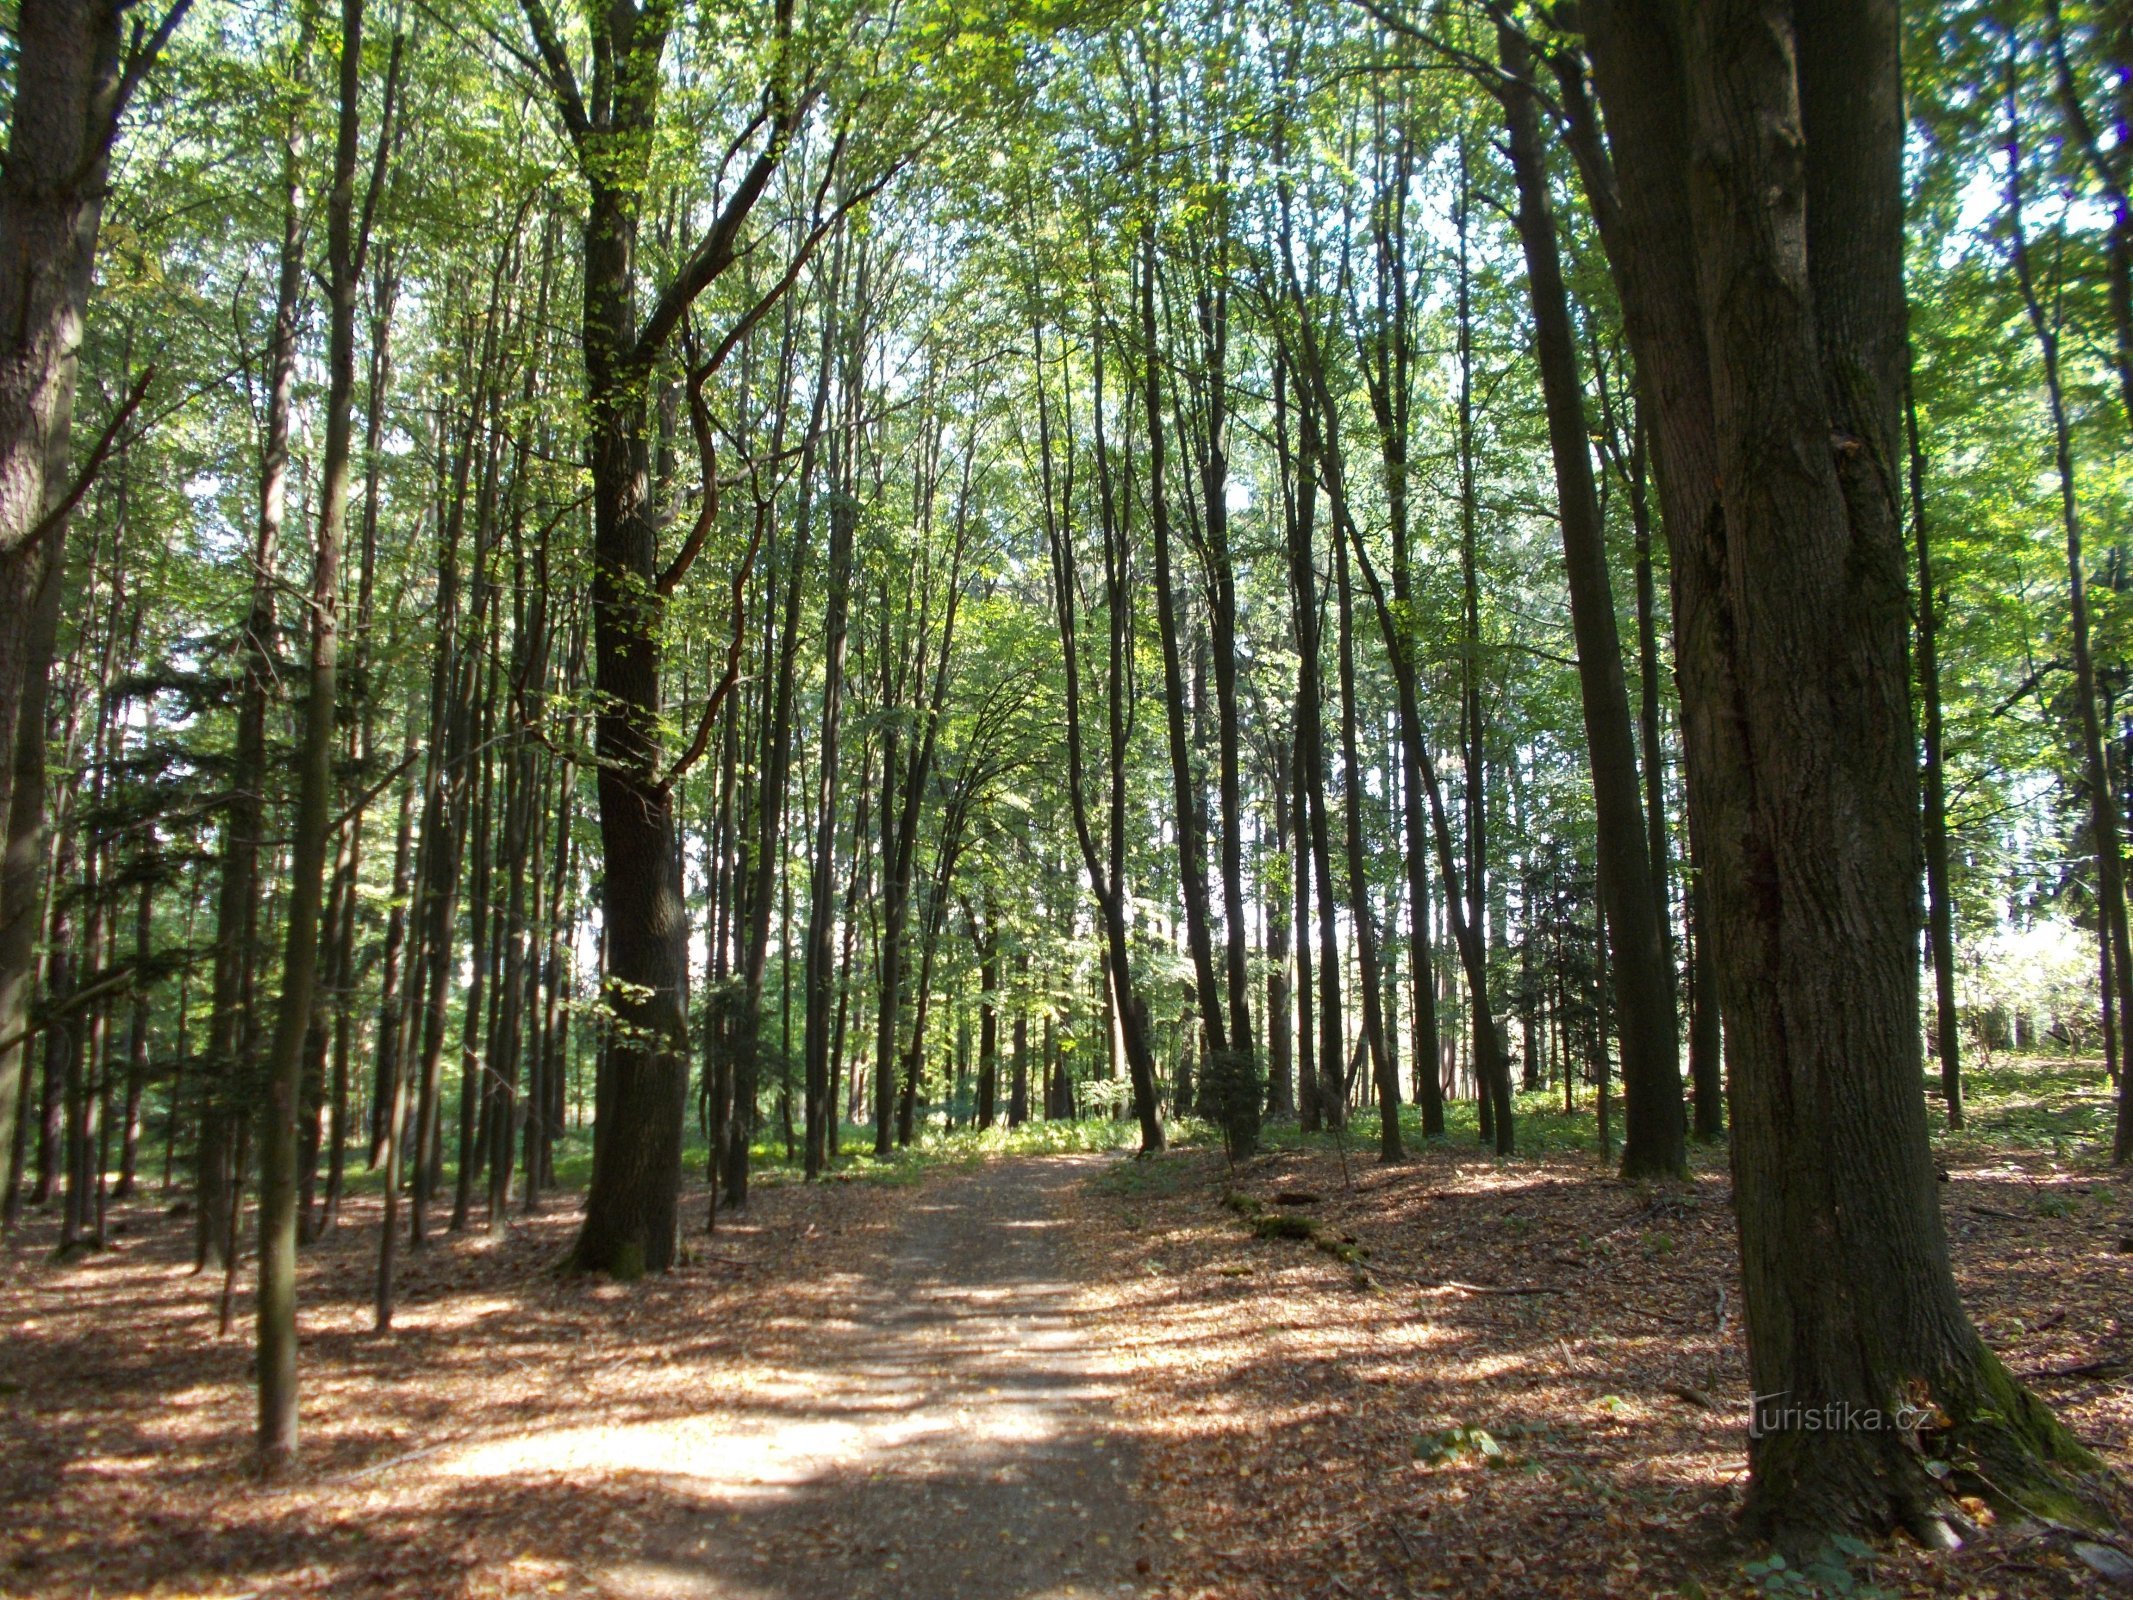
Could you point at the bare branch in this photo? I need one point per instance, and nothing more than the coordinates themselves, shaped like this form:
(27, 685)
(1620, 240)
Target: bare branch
(562, 82)
(731, 675)
(59, 512)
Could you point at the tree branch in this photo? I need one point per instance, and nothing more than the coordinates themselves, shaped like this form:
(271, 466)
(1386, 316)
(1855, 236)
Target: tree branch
(141, 56)
(562, 82)
(805, 251)
(714, 253)
(731, 676)
(59, 513)
(384, 150)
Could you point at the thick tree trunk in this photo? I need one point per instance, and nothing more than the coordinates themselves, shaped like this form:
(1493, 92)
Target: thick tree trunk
(22, 898)
(632, 1206)
(52, 187)
(1772, 347)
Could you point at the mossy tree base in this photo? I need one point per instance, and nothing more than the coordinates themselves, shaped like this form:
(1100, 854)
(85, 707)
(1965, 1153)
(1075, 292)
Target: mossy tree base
(1974, 1430)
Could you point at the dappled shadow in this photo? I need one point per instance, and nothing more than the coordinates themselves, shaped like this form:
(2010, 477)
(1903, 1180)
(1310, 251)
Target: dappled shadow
(821, 1403)
(1579, 1432)
(951, 1390)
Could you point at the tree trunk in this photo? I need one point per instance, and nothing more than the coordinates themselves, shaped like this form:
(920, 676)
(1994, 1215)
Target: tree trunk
(632, 1206)
(2105, 831)
(1106, 876)
(1654, 1122)
(1940, 912)
(233, 1029)
(768, 845)
(1473, 726)
(1276, 888)
(315, 798)
(1185, 787)
(1763, 293)
(1706, 1042)
(52, 187)
(987, 945)
(819, 978)
(1018, 1083)
(1387, 361)
(1328, 1104)
(1368, 979)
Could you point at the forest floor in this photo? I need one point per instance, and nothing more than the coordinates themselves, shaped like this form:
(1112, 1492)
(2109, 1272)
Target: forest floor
(1041, 1376)
(1527, 1377)
(853, 1388)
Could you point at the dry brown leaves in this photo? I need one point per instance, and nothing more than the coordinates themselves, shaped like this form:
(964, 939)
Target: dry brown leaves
(1306, 1437)
(1300, 1436)
(125, 1421)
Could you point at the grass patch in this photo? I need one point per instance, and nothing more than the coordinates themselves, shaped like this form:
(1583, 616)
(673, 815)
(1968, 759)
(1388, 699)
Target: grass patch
(1541, 1124)
(2042, 1104)
(939, 1149)
(1149, 1176)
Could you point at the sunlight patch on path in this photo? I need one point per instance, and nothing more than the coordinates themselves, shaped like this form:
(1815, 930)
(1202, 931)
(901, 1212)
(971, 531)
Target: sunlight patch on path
(942, 1428)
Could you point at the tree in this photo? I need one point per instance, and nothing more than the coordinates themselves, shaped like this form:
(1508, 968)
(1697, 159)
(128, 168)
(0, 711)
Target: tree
(74, 78)
(1772, 349)
(1655, 1123)
(348, 241)
(631, 1215)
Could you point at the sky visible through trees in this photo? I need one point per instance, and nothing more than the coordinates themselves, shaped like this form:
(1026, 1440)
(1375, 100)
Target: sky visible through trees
(597, 603)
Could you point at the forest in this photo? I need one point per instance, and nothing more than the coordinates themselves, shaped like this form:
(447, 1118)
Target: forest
(1066, 797)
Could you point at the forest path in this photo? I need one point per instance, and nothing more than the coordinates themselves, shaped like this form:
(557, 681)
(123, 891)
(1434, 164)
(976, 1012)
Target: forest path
(948, 1435)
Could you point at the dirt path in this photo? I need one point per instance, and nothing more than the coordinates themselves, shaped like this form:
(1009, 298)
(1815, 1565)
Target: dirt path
(947, 1435)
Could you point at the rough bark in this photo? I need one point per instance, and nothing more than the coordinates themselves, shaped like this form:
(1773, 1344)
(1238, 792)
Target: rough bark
(1772, 345)
(69, 91)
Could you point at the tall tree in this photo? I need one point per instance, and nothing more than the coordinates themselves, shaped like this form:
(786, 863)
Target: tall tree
(1654, 1118)
(612, 124)
(76, 66)
(347, 242)
(1763, 292)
